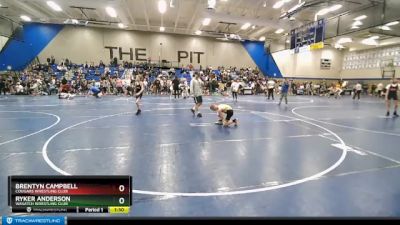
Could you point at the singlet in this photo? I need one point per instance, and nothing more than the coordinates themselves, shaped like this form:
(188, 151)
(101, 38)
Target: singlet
(138, 87)
(224, 107)
(393, 88)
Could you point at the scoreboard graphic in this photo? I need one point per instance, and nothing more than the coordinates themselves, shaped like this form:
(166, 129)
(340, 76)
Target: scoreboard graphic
(312, 34)
(75, 194)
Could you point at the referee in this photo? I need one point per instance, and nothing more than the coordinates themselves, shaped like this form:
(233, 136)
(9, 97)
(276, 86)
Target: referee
(196, 90)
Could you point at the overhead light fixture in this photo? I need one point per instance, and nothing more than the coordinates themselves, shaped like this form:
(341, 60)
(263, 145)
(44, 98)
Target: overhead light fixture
(345, 40)
(360, 17)
(325, 11)
(121, 25)
(26, 18)
(111, 12)
(296, 7)
(374, 38)
(335, 7)
(211, 4)
(162, 6)
(385, 28)
(370, 40)
(355, 27)
(206, 21)
(265, 4)
(172, 4)
(392, 23)
(280, 3)
(245, 26)
(162, 29)
(74, 21)
(199, 32)
(339, 46)
(253, 27)
(54, 6)
(357, 23)
(262, 38)
(279, 31)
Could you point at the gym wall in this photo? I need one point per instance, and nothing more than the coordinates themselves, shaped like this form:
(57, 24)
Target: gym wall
(308, 64)
(82, 44)
(367, 64)
(3, 41)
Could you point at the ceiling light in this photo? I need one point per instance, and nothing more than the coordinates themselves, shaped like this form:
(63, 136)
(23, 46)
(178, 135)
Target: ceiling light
(279, 4)
(345, 40)
(212, 4)
(121, 25)
(323, 12)
(245, 26)
(385, 28)
(111, 12)
(339, 46)
(279, 31)
(162, 6)
(199, 32)
(172, 4)
(296, 7)
(262, 38)
(265, 4)
(206, 21)
(75, 21)
(26, 18)
(370, 41)
(54, 6)
(335, 7)
(355, 27)
(254, 27)
(392, 23)
(162, 29)
(374, 38)
(357, 23)
(361, 17)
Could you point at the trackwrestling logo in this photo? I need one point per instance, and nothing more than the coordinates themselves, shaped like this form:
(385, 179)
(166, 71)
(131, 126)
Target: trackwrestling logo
(9, 220)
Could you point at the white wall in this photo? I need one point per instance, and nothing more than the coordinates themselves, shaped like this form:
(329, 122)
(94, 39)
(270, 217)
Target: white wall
(308, 64)
(3, 41)
(363, 59)
(81, 44)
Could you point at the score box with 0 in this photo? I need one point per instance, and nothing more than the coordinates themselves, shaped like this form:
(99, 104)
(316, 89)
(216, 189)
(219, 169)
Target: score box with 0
(71, 191)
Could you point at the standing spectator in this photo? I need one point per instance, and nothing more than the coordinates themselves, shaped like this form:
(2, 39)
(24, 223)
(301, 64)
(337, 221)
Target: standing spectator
(175, 84)
(271, 88)
(2, 86)
(379, 89)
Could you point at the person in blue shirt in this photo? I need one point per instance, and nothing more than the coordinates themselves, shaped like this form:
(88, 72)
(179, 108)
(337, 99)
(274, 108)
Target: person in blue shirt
(284, 91)
(96, 91)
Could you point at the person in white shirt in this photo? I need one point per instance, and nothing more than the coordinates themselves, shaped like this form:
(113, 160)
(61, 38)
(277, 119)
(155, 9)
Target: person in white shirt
(379, 89)
(235, 89)
(196, 90)
(271, 88)
(357, 91)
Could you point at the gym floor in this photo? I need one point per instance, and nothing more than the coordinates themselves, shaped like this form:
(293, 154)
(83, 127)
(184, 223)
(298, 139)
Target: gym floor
(314, 157)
